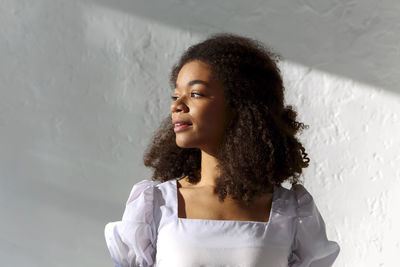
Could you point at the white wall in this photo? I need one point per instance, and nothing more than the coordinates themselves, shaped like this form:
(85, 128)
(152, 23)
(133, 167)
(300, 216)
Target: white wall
(83, 84)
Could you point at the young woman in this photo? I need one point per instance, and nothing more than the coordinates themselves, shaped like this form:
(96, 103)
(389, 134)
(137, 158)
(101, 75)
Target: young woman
(220, 158)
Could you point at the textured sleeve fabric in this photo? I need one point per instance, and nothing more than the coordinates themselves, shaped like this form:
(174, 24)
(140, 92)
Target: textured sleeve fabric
(131, 241)
(311, 247)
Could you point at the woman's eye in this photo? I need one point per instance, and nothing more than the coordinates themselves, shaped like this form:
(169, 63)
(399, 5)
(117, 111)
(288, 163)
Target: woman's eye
(196, 94)
(174, 98)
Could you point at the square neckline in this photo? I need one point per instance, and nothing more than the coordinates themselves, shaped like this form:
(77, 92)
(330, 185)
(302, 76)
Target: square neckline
(274, 197)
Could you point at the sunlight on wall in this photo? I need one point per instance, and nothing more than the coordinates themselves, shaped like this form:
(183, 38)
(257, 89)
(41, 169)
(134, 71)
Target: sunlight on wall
(353, 145)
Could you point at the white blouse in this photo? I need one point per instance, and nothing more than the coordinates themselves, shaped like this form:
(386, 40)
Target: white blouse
(151, 234)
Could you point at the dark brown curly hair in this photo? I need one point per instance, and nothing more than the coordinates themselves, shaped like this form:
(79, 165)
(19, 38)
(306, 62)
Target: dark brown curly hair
(259, 148)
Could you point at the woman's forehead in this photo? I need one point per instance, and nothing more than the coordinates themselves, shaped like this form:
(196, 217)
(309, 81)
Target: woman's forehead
(193, 82)
(194, 70)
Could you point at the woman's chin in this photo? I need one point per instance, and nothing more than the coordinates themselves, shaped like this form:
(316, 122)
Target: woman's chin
(184, 144)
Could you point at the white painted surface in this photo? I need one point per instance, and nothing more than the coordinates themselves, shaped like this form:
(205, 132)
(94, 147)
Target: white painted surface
(83, 84)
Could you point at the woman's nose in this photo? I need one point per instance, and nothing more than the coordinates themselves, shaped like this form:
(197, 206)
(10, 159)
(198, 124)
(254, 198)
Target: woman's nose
(179, 104)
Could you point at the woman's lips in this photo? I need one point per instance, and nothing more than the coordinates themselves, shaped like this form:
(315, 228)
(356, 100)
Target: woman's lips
(181, 127)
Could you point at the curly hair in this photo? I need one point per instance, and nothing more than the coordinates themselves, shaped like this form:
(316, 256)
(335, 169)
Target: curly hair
(259, 148)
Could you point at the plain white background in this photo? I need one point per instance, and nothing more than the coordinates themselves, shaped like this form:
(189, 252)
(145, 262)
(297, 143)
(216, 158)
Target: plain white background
(83, 84)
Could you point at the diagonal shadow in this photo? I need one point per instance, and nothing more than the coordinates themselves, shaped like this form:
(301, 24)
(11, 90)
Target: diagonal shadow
(359, 40)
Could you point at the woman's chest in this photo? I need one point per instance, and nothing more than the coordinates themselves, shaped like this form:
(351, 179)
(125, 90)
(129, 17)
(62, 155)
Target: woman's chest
(197, 204)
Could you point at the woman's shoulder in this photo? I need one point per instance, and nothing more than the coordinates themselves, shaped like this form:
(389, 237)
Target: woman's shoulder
(162, 193)
(296, 190)
(304, 200)
(166, 188)
(151, 186)
(311, 246)
(296, 201)
(132, 240)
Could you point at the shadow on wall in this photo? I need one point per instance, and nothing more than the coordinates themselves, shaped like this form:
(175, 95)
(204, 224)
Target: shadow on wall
(355, 39)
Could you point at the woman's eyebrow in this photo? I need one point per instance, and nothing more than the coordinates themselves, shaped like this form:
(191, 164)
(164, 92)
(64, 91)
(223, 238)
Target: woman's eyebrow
(194, 82)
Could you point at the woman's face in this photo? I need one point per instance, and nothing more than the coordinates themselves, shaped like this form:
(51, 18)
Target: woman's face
(199, 100)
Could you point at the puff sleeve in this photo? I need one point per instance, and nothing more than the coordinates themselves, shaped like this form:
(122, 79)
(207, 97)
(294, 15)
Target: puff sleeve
(311, 247)
(131, 241)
